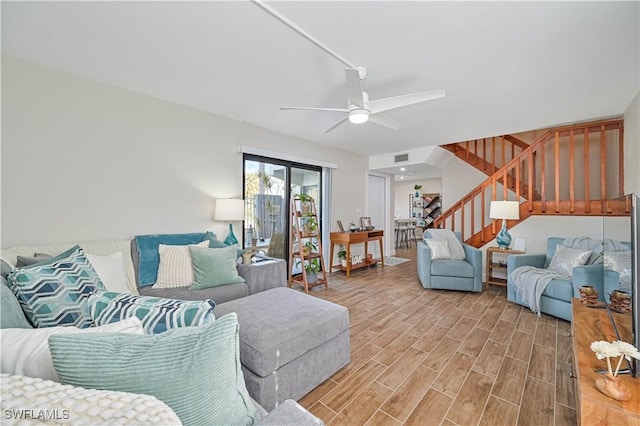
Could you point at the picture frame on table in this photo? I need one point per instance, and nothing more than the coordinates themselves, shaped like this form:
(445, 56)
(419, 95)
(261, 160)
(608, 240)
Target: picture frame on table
(340, 227)
(365, 223)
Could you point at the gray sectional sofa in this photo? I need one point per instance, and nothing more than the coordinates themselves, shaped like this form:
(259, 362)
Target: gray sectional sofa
(290, 342)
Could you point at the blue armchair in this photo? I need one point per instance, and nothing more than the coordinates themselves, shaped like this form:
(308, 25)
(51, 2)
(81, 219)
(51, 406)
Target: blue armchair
(556, 298)
(455, 274)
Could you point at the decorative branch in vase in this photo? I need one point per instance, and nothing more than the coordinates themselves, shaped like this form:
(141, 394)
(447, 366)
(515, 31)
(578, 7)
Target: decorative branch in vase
(610, 383)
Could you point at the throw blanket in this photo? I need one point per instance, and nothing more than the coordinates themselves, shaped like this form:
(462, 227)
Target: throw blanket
(455, 247)
(530, 282)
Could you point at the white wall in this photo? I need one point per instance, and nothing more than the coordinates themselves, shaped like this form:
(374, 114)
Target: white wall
(632, 146)
(402, 190)
(83, 160)
(458, 179)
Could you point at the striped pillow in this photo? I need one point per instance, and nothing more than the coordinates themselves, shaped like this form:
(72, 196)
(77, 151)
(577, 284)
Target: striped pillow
(157, 314)
(175, 268)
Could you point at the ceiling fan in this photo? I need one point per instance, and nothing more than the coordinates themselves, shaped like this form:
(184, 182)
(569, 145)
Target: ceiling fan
(361, 109)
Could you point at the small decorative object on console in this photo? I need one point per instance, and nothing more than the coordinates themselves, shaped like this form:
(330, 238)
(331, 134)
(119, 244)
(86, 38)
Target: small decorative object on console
(588, 295)
(620, 301)
(610, 383)
(365, 224)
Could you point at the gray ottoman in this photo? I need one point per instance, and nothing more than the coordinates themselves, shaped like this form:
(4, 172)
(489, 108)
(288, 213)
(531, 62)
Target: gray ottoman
(290, 342)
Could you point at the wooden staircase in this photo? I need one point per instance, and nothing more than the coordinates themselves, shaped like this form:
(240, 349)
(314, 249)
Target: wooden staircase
(552, 176)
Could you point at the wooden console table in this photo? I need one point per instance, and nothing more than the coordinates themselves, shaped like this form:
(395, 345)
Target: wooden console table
(593, 407)
(349, 238)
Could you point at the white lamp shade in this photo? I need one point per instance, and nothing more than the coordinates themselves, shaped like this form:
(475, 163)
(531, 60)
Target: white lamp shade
(229, 209)
(504, 210)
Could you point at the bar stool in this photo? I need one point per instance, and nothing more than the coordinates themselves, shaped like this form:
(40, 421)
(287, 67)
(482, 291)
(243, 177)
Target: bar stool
(411, 233)
(402, 235)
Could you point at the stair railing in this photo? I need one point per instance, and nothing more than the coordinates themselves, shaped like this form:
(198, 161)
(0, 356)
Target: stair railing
(528, 176)
(488, 154)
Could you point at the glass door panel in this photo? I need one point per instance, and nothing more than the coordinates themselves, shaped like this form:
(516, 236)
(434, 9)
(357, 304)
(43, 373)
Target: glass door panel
(265, 207)
(269, 185)
(305, 181)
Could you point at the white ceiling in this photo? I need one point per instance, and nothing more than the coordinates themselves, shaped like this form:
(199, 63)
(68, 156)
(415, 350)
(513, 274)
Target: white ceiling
(506, 66)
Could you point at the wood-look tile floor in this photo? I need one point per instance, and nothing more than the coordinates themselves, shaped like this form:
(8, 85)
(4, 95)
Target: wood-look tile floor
(434, 357)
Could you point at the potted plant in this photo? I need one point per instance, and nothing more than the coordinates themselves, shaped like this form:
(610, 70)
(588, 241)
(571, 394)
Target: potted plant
(305, 202)
(312, 268)
(310, 225)
(342, 255)
(309, 247)
(417, 187)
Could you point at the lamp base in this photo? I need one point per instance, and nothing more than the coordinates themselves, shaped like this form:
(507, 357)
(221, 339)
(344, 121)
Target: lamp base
(231, 238)
(503, 238)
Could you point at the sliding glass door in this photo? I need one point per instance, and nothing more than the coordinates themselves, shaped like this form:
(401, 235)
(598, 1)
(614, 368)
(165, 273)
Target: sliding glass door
(269, 184)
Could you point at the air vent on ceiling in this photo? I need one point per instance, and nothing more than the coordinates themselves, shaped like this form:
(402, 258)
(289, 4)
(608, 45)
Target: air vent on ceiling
(400, 158)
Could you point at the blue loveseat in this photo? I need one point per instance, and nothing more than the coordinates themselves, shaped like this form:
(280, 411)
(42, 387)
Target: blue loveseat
(556, 298)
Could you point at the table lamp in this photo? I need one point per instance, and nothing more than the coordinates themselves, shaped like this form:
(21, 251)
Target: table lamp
(504, 210)
(228, 209)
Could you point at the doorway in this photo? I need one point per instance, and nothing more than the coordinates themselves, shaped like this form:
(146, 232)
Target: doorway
(377, 207)
(269, 185)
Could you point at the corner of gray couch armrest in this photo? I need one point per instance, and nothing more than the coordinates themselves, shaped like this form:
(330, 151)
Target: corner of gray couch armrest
(291, 413)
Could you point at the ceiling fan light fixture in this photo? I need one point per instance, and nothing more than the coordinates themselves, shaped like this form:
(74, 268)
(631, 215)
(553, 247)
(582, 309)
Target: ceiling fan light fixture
(358, 116)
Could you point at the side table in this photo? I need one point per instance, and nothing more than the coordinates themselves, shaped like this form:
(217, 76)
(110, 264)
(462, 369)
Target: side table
(264, 275)
(494, 264)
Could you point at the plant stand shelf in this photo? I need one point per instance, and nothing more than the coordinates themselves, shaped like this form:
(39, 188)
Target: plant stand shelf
(306, 247)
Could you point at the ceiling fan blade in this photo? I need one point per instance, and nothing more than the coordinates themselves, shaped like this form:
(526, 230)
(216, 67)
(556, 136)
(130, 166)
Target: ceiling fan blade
(354, 87)
(336, 125)
(317, 109)
(386, 104)
(384, 121)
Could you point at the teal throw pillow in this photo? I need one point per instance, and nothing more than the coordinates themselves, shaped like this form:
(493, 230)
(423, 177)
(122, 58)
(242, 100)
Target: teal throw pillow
(156, 313)
(214, 267)
(194, 370)
(213, 241)
(11, 314)
(55, 291)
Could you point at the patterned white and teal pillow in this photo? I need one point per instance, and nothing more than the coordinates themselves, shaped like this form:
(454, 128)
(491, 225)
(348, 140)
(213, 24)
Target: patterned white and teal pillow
(196, 371)
(156, 313)
(55, 291)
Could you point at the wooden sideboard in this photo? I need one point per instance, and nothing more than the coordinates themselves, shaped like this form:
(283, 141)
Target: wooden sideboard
(350, 238)
(593, 407)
